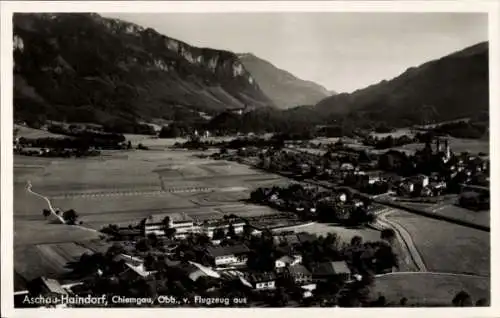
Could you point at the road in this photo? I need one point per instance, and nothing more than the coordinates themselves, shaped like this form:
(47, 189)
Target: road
(404, 238)
(29, 187)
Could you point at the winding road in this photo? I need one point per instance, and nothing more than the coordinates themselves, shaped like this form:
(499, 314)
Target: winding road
(404, 238)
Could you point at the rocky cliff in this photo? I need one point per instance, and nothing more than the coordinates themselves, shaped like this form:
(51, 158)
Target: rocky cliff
(88, 68)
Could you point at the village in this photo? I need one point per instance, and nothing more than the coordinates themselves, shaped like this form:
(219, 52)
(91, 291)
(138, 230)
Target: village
(251, 258)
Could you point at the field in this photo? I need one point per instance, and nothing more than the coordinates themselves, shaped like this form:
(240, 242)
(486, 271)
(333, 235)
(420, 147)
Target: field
(28, 132)
(427, 289)
(446, 247)
(120, 188)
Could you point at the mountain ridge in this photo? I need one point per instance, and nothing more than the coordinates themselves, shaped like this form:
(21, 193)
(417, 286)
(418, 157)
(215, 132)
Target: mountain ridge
(446, 87)
(282, 87)
(74, 64)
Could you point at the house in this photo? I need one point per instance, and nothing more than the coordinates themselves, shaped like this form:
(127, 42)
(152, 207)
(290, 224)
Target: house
(209, 228)
(260, 281)
(407, 186)
(437, 187)
(287, 260)
(327, 270)
(299, 274)
(47, 287)
(235, 255)
(154, 224)
(182, 224)
(421, 180)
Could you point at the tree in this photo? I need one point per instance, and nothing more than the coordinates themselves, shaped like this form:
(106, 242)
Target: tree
(230, 231)
(169, 232)
(219, 234)
(46, 213)
(403, 302)
(247, 230)
(388, 235)
(149, 262)
(280, 298)
(114, 250)
(142, 245)
(70, 216)
(462, 299)
(153, 239)
(356, 241)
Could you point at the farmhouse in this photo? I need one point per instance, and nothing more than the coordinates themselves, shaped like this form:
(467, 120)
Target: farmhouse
(235, 255)
(286, 261)
(260, 281)
(299, 274)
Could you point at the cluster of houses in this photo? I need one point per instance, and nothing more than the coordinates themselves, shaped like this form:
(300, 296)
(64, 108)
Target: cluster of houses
(222, 264)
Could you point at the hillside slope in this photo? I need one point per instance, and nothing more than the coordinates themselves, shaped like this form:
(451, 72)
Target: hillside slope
(455, 86)
(83, 67)
(283, 88)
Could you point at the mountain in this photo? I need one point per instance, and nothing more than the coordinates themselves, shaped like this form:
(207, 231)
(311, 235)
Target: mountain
(284, 89)
(454, 86)
(86, 68)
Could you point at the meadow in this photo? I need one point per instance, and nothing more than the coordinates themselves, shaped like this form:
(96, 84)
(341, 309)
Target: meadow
(447, 247)
(427, 289)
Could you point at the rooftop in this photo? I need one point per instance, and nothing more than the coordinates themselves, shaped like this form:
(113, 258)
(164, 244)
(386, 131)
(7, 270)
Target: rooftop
(261, 277)
(331, 268)
(227, 250)
(174, 217)
(298, 269)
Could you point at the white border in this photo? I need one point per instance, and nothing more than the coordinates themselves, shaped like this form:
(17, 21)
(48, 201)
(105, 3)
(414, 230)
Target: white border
(8, 7)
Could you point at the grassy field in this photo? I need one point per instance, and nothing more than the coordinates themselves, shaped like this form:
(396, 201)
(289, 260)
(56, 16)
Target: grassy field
(453, 211)
(425, 289)
(28, 132)
(124, 187)
(446, 247)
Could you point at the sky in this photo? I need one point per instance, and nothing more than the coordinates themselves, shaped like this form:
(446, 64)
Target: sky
(341, 51)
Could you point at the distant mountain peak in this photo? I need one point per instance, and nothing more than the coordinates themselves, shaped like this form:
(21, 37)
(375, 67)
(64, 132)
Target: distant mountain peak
(282, 87)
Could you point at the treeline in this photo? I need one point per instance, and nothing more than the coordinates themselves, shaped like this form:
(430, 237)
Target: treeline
(84, 142)
(463, 129)
(389, 141)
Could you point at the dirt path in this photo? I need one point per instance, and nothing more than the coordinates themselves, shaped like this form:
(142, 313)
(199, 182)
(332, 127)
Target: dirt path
(51, 208)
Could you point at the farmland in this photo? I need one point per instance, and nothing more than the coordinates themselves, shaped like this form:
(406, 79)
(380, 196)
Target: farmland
(428, 289)
(27, 132)
(447, 247)
(119, 188)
